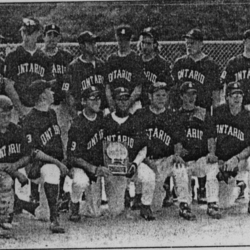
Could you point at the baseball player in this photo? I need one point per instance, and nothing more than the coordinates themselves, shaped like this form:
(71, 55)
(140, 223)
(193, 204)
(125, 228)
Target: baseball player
(164, 147)
(14, 154)
(232, 123)
(87, 70)
(237, 69)
(85, 155)
(154, 64)
(124, 69)
(126, 146)
(197, 66)
(199, 144)
(60, 60)
(27, 63)
(44, 138)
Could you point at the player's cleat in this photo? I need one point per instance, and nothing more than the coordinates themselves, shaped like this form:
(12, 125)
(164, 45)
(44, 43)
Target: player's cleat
(19, 205)
(103, 202)
(146, 213)
(75, 216)
(137, 202)
(201, 196)
(56, 228)
(242, 185)
(185, 212)
(213, 210)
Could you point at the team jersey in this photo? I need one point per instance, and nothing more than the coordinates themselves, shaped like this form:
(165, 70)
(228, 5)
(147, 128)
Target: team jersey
(161, 130)
(60, 61)
(23, 68)
(204, 72)
(13, 144)
(2, 87)
(43, 133)
(238, 69)
(155, 69)
(199, 127)
(116, 130)
(84, 75)
(124, 71)
(85, 139)
(233, 134)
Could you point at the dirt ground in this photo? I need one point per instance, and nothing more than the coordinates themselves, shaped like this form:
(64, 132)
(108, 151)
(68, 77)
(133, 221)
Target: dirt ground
(168, 230)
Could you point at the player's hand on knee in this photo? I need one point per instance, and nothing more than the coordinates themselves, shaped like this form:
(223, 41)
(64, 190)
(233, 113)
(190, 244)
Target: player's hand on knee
(131, 170)
(231, 164)
(211, 158)
(103, 171)
(10, 168)
(64, 170)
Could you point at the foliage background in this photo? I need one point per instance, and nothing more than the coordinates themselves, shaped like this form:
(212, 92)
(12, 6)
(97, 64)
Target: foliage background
(219, 20)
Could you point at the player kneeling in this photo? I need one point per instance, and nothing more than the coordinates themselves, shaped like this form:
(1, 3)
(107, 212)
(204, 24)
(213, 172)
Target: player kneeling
(85, 156)
(14, 154)
(44, 138)
(199, 145)
(232, 147)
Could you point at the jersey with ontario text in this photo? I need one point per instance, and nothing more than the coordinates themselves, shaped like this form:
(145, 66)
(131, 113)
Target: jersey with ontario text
(23, 68)
(233, 134)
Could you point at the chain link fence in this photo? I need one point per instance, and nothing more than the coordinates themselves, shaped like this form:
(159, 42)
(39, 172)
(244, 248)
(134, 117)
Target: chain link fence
(220, 51)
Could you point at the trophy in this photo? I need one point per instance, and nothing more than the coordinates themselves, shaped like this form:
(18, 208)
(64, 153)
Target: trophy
(116, 157)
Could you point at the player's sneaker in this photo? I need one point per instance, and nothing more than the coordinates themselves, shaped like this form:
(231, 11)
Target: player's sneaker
(137, 202)
(185, 212)
(201, 196)
(75, 216)
(56, 228)
(146, 213)
(213, 210)
(242, 185)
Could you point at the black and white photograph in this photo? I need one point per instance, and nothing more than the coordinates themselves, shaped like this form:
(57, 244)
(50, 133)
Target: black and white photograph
(125, 124)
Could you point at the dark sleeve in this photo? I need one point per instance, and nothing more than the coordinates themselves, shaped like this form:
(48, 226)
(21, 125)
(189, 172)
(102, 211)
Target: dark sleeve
(48, 75)
(9, 70)
(74, 143)
(228, 73)
(214, 76)
(210, 128)
(25, 147)
(178, 129)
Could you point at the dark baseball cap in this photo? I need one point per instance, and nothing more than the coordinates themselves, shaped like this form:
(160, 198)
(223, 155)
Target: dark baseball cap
(151, 32)
(87, 36)
(30, 25)
(124, 30)
(157, 86)
(121, 91)
(5, 104)
(194, 34)
(91, 91)
(52, 27)
(188, 87)
(234, 87)
(246, 34)
(37, 88)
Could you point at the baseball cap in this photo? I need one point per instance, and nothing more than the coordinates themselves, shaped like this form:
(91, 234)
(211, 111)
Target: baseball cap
(91, 91)
(30, 25)
(194, 34)
(124, 30)
(156, 86)
(234, 87)
(37, 88)
(5, 103)
(188, 87)
(87, 36)
(121, 91)
(246, 34)
(151, 32)
(52, 27)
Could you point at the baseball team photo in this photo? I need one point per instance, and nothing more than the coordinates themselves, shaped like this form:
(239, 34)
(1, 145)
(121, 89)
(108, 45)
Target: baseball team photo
(124, 124)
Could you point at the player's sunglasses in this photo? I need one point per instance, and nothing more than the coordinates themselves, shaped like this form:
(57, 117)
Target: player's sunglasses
(236, 94)
(123, 98)
(94, 98)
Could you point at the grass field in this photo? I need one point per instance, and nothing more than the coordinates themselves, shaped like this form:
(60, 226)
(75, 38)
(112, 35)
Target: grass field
(168, 230)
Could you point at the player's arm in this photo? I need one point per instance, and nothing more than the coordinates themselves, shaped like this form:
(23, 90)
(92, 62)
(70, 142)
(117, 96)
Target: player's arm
(135, 94)
(11, 92)
(109, 97)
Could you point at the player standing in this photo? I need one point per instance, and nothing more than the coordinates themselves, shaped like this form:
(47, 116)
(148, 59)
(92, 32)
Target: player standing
(124, 69)
(154, 65)
(197, 66)
(85, 155)
(233, 135)
(86, 70)
(26, 64)
(44, 138)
